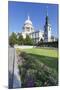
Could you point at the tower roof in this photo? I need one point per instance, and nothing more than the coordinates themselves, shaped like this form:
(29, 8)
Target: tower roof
(46, 10)
(47, 18)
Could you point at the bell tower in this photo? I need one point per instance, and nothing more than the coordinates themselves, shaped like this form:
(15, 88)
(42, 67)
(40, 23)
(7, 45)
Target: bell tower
(47, 29)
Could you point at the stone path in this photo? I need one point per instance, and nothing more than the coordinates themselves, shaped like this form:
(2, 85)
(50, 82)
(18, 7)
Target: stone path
(13, 72)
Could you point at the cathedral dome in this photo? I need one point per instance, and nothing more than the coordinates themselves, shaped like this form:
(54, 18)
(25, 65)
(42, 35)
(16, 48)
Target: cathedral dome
(28, 21)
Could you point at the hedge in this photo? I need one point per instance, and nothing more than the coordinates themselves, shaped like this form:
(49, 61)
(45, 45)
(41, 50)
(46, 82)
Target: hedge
(35, 74)
(48, 44)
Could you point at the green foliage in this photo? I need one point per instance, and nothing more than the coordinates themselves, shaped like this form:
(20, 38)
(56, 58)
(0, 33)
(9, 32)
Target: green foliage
(28, 40)
(48, 44)
(39, 73)
(41, 41)
(20, 40)
(13, 39)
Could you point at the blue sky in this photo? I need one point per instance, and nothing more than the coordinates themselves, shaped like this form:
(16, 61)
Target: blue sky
(18, 12)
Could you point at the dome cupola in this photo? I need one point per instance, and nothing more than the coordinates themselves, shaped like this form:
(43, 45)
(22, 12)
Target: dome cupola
(28, 21)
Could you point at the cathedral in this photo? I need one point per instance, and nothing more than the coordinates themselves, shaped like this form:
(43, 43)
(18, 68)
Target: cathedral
(37, 36)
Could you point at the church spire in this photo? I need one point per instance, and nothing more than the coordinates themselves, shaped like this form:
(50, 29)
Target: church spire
(47, 28)
(46, 10)
(47, 15)
(28, 18)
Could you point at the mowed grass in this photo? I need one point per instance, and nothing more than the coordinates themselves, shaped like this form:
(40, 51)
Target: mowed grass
(47, 56)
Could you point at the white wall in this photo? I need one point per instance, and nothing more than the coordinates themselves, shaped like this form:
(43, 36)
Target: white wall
(23, 46)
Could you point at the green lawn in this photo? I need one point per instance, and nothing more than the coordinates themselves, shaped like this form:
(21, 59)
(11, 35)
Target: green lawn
(47, 56)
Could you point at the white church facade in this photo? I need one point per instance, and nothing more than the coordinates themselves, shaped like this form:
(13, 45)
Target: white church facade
(28, 29)
(37, 36)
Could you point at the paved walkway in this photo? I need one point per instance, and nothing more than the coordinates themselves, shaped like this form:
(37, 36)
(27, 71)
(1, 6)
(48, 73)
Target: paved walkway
(14, 78)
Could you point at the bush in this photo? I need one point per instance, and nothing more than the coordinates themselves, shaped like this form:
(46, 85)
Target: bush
(48, 44)
(38, 73)
(28, 41)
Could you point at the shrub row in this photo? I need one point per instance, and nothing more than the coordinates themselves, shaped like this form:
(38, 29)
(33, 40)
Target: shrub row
(48, 44)
(35, 73)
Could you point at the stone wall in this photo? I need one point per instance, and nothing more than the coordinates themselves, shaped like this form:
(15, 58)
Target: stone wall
(23, 46)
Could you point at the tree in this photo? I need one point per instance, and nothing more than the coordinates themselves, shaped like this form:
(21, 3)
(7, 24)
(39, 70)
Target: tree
(28, 40)
(20, 40)
(13, 39)
(41, 40)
